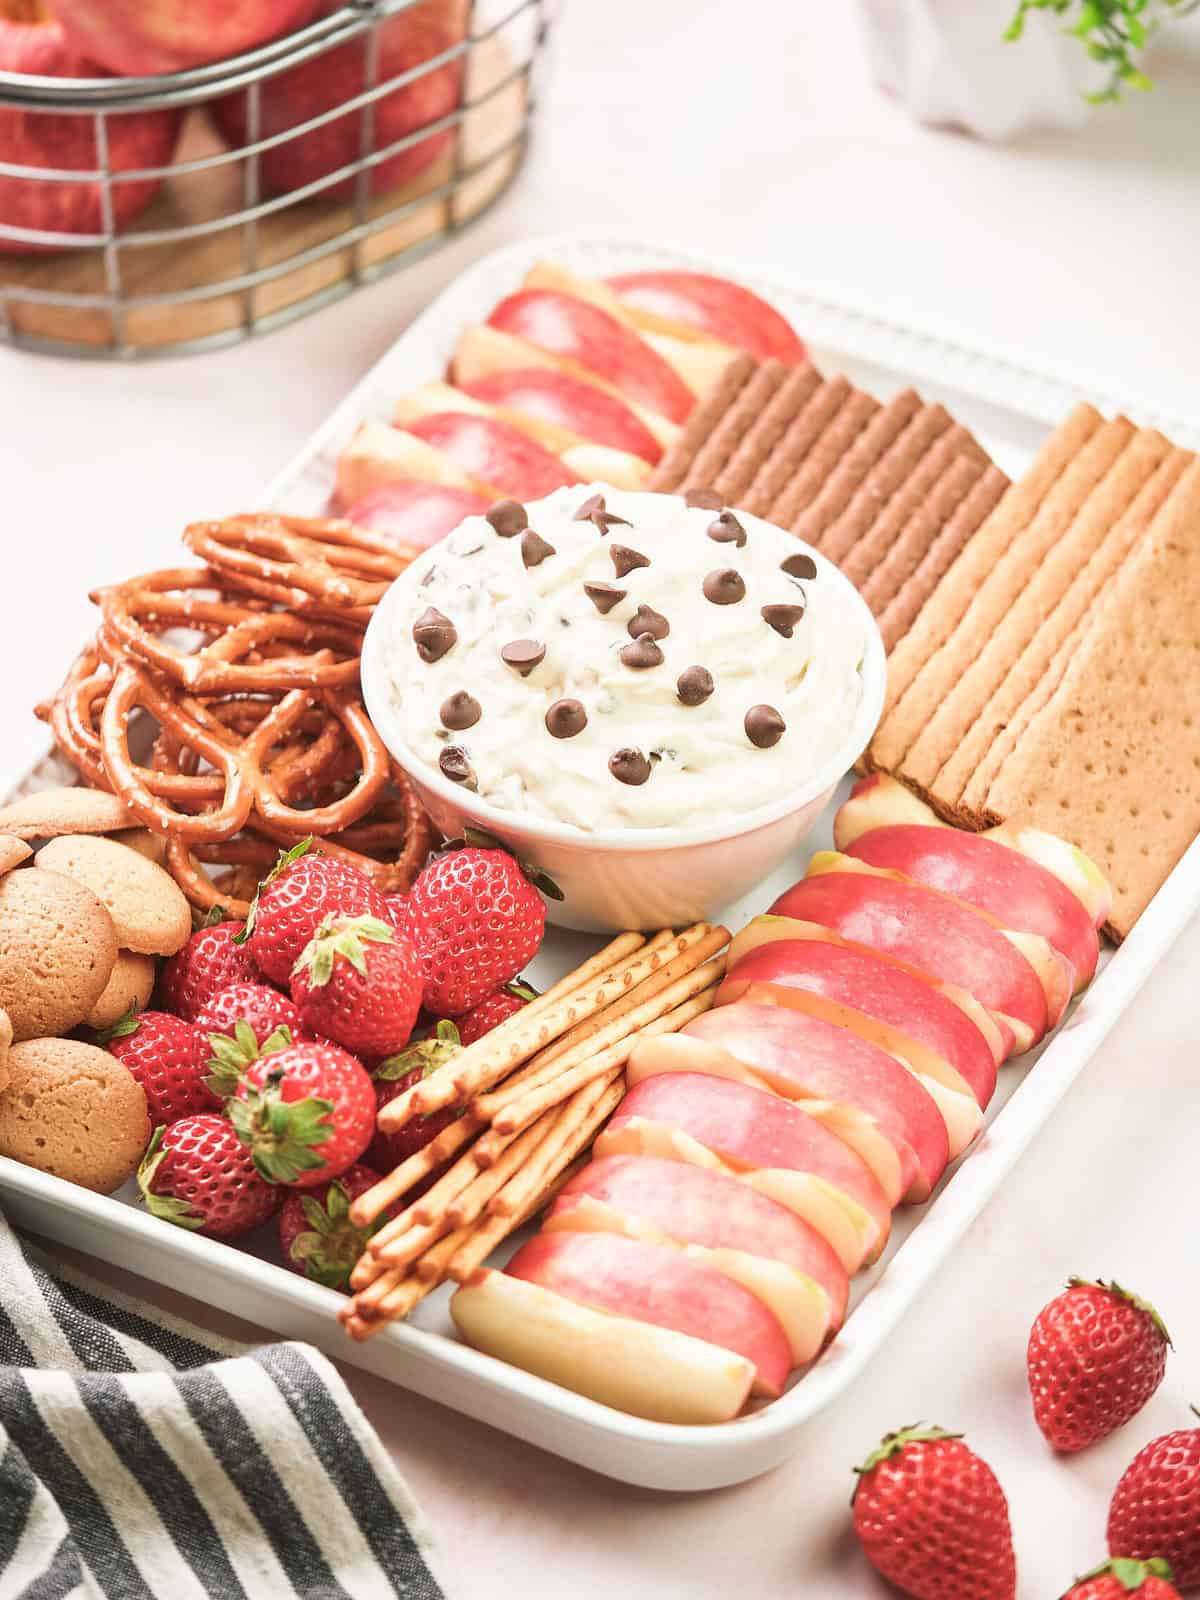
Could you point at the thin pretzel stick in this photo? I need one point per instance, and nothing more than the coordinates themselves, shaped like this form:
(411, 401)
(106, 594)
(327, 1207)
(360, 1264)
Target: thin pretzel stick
(613, 1024)
(488, 1060)
(387, 1191)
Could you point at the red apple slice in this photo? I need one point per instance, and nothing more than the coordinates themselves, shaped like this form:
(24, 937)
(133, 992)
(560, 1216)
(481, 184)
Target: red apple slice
(494, 452)
(657, 1284)
(1066, 861)
(378, 454)
(712, 306)
(596, 463)
(415, 513)
(533, 396)
(431, 398)
(868, 1098)
(721, 1223)
(768, 1142)
(947, 941)
(988, 875)
(588, 337)
(483, 352)
(647, 1371)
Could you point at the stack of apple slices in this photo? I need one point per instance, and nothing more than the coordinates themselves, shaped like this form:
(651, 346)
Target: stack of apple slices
(753, 1165)
(570, 380)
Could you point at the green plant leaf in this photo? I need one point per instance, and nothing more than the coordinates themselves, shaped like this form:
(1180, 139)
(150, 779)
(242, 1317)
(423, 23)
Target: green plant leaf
(120, 1029)
(282, 1135)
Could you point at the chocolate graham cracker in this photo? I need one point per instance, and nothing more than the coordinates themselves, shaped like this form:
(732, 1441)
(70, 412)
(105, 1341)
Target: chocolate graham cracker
(671, 470)
(1111, 760)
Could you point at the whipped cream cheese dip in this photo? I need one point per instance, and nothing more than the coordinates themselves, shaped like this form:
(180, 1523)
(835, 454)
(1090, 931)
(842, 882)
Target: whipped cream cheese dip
(615, 659)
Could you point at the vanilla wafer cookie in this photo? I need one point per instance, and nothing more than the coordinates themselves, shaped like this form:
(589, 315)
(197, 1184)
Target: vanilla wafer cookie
(902, 464)
(1064, 472)
(793, 394)
(803, 433)
(806, 483)
(957, 509)
(740, 416)
(1179, 513)
(669, 473)
(1016, 605)
(1112, 760)
(819, 519)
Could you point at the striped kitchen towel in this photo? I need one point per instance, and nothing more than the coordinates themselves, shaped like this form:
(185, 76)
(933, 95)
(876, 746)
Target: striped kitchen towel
(141, 1459)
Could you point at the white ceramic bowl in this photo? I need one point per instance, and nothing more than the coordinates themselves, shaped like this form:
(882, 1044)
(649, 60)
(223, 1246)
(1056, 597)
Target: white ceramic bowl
(618, 878)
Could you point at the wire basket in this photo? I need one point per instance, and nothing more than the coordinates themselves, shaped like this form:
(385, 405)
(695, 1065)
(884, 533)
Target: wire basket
(253, 223)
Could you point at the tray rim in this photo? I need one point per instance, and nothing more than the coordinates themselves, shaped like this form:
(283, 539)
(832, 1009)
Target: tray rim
(629, 1448)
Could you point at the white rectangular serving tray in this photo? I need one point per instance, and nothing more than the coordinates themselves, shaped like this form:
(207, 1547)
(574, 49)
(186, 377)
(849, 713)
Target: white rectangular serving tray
(1009, 405)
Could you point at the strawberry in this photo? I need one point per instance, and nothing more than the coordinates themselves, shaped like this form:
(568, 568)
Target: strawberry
(1156, 1508)
(494, 1009)
(302, 889)
(358, 982)
(233, 1053)
(197, 1174)
(260, 1007)
(210, 961)
(316, 1235)
(168, 1057)
(392, 1078)
(1096, 1355)
(475, 919)
(397, 905)
(932, 1518)
(1120, 1577)
(306, 1113)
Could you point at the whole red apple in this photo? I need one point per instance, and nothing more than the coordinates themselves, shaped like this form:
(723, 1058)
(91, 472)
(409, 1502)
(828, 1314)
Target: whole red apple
(339, 75)
(137, 37)
(32, 44)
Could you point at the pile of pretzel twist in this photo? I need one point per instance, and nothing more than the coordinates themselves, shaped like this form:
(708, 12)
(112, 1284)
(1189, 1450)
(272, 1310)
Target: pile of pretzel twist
(245, 670)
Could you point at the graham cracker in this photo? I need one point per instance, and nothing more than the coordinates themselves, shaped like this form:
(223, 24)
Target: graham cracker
(1017, 599)
(669, 473)
(737, 421)
(818, 520)
(954, 594)
(972, 598)
(976, 762)
(1112, 759)
(789, 400)
(805, 484)
(800, 438)
(867, 528)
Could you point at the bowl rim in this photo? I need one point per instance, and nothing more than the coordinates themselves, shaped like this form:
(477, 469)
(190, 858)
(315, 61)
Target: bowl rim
(498, 819)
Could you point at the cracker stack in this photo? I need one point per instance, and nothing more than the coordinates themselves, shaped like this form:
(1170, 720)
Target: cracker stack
(1053, 676)
(890, 492)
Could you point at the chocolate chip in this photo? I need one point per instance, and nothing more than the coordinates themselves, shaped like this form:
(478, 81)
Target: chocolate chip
(629, 766)
(594, 510)
(433, 635)
(646, 620)
(726, 529)
(724, 587)
(534, 548)
(694, 686)
(455, 766)
(764, 726)
(782, 618)
(702, 499)
(643, 652)
(461, 710)
(565, 719)
(604, 596)
(508, 517)
(624, 559)
(800, 566)
(522, 655)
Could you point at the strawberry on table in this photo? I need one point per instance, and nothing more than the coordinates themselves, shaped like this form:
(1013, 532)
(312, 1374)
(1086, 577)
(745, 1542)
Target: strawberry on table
(316, 1235)
(260, 1007)
(1096, 1355)
(1119, 1578)
(302, 889)
(306, 1113)
(932, 1518)
(168, 1057)
(210, 961)
(398, 1073)
(475, 919)
(197, 1174)
(492, 1010)
(1156, 1508)
(358, 982)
